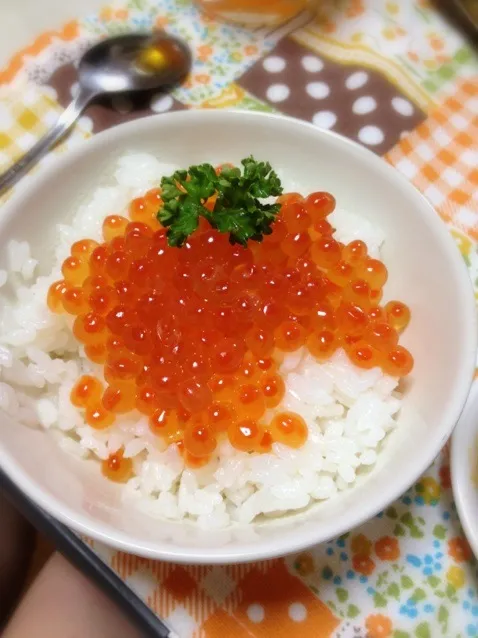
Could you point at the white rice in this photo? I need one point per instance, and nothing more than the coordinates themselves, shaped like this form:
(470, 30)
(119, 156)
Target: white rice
(349, 411)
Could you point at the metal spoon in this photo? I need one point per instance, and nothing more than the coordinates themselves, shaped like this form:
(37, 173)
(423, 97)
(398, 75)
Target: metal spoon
(123, 64)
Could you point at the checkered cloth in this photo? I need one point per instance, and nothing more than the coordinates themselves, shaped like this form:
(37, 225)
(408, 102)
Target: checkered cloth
(25, 116)
(441, 158)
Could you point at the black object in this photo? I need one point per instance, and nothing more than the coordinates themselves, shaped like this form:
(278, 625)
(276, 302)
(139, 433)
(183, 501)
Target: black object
(461, 14)
(469, 10)
(83, 558)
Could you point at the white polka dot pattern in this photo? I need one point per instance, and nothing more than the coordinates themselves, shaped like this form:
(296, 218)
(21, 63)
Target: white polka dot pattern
(318, 90)
(297, 612)
(74, 89)
(324, 119)
(278, 92)
(255, 613)
(86, 123)
(356, 80)
(161, 103)
(364, 104)
(312, 64)
(371, 135)
(274, 64)
(402, 106)
(357, 102)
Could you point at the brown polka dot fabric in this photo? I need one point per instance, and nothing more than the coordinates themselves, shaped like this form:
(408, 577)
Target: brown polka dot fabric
(357, 102)
(111, 111)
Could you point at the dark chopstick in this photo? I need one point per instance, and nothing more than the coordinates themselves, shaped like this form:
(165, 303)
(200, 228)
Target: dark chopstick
(85, 560)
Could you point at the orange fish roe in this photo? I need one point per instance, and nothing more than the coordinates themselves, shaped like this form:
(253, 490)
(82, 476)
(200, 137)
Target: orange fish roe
(55, 296)
(398, 315)
(289, 428)
(117, 468)
(246, 435)
(86, 391)
(192, 337)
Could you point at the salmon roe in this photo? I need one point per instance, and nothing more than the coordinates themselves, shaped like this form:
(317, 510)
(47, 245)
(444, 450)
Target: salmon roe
(117, 468)
(193, 337)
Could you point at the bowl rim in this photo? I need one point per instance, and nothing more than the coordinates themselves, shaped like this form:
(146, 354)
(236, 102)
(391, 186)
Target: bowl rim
(264, 548)
(463, 488)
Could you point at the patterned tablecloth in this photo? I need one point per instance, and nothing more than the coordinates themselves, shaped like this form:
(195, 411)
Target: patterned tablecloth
(398, 78)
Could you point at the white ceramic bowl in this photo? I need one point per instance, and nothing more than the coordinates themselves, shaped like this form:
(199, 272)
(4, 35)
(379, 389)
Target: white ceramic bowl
(464, 468)
(426, 271)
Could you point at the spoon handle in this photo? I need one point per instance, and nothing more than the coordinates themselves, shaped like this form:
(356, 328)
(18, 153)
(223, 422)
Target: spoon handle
(41, 148)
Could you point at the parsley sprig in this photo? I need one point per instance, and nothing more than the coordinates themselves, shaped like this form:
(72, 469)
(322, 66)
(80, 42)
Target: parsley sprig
(238, 209)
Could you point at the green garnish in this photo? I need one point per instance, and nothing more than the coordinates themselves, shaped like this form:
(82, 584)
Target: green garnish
(238, 209)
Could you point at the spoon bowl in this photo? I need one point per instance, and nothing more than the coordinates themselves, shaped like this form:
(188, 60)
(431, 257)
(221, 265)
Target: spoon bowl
(133, 62)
